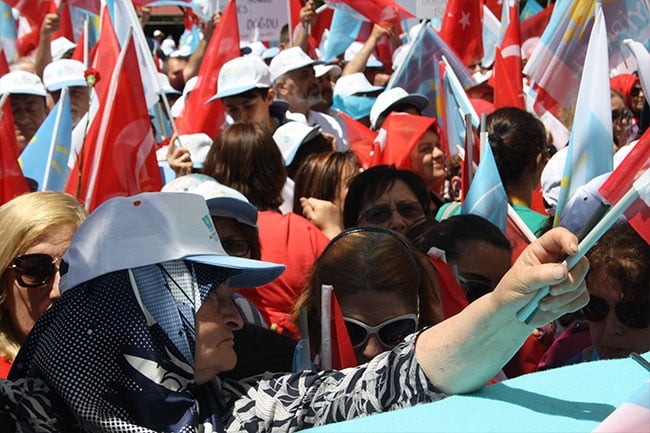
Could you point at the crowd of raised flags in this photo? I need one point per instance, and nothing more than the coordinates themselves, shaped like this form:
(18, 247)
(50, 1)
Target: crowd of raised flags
(112, 151)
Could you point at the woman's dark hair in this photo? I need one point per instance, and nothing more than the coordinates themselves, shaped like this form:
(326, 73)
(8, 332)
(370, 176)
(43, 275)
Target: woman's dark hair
(244, 156)
(321, 174)
(318, 144)
(373, 183)
(621, 256)
(450, 234)
(517, 137)
(376, 259)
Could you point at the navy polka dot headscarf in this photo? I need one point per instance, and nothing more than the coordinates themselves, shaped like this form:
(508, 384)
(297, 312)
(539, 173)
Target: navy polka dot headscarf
(118, 351)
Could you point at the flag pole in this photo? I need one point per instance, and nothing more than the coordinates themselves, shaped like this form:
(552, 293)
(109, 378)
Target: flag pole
(326, 331)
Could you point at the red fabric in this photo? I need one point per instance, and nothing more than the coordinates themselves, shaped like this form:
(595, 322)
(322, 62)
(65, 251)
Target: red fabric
(12, 181)
(462, 29)
(65, 30)
(28, 42)
(623, 83)
(537, 201)
(495, 6)
(526, 359)
(294, 14)
(118, 155)
(223, 46)
(535, 25)
(518, 241)
(453, 298)
(5, 366)
(386, 13)
(507, 77)
(621, 180)
(33, 10)
(360, 138)
(295, 242)
(402, 132)
(342, 352)
(571, 342)
(93, 6)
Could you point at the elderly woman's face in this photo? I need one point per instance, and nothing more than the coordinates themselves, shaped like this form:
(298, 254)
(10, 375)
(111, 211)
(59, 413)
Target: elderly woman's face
(614, 330)
(25, 305)
(215, 323)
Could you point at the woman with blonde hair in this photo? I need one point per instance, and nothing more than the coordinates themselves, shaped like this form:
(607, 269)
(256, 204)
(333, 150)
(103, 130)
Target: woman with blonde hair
(35, 229)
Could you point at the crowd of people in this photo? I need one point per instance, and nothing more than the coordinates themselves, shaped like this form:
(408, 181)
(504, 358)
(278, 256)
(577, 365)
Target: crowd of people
(195, 307)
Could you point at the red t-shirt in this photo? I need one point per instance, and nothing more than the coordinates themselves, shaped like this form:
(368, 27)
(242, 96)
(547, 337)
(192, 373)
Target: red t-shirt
(5, 366)
(295, 242)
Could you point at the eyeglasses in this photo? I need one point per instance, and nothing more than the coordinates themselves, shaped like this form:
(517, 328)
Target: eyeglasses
(474, 289)
(389, 333)
(236, 247)
(621, 114)
(629, 313)
(35, 270)
(636, 91)
(381, 214)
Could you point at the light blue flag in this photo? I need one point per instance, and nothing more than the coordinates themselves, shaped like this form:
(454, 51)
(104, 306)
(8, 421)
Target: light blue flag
(590, 151)
(491, 36)
(530, 9)
(486, 196)
(420, 70)
(343, 31)
(45, 159)
(190, 38)
(7, 31)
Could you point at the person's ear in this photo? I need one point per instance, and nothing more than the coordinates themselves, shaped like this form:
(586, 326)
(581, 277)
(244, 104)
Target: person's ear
(270, 97)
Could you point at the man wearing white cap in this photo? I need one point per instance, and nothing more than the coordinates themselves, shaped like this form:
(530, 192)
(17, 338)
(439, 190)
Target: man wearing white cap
(244, 86)
(68, 73)
(294, 80)
(27, 95)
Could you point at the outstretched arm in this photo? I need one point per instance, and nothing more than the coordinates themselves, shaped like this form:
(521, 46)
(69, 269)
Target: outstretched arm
(462, 353)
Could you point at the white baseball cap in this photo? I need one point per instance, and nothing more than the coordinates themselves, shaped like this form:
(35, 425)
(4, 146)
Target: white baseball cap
(334, 71)
(22, 82)
(149, 228)
(184, 51)
(290, 136)
(392, 97)
(355, 84)
(289, 60)
(222, 200)
(167, 46)
(64, 73)
(240, 75)
(165, 85)
(352, 51)
(60, 46)
(178, 105)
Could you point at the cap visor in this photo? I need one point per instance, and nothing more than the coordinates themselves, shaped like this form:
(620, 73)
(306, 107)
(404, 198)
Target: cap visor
(253, 272)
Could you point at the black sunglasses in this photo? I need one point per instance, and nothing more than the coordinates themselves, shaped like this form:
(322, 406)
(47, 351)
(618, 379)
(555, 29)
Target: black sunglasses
(474, 289)
(381, 214)
(635, 91)
(35, 270)
(389, 332)
(629, 313)
(621, 114)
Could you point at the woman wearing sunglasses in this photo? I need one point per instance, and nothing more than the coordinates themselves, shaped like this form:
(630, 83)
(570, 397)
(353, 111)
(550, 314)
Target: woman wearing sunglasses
(386, 196)
(629, 86)
(616, 321)
(619, 287)
(385, 289)
(35, 229)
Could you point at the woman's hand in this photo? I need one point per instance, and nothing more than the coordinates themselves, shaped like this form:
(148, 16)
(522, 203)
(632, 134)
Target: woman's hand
(323, 214)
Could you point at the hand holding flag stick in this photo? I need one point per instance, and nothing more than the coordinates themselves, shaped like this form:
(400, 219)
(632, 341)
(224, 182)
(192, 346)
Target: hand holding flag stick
(639, 189)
